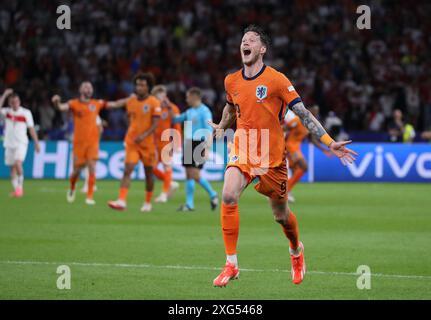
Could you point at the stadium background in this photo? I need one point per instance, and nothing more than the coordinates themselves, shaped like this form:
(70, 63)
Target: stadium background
(357, 77)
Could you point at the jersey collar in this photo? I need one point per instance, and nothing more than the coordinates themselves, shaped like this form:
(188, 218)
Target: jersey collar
(255, 76)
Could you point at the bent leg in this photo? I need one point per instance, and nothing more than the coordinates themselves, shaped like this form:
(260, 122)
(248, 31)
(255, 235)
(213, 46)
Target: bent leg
(287, 220)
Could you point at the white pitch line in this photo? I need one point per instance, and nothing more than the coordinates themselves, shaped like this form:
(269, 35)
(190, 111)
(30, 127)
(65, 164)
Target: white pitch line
(179, 267)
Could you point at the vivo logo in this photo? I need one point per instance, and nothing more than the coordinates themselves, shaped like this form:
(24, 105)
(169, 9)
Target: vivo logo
(399, 169)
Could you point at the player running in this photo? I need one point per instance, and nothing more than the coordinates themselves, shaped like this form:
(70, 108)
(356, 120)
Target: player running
(144, 115)
(197, 132)
(85, 111)
(165, 149)
(296, 133)
(17, 120)
(257, 97)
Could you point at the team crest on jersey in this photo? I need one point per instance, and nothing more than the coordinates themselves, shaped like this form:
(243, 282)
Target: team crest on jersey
(261, 92)
(234, 158)
(164, 115)
(146, 108)
(92, 107)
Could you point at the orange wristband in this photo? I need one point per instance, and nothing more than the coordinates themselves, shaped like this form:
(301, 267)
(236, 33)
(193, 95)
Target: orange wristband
(326, 139)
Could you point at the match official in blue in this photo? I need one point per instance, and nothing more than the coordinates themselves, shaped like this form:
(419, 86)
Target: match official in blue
(196, 132)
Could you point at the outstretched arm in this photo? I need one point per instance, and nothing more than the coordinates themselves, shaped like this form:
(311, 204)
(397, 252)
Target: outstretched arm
(56, 101)
(227, 119)
(318, 145)
(317, 130)
(121, 103)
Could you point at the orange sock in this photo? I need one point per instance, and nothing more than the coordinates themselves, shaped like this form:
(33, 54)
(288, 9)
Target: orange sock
(91, 183)
(123, 194)
(159, 174)
(291, 230)
(297, 175)
(167, 181)
(148, 196)
(72, 181)
(230, 227)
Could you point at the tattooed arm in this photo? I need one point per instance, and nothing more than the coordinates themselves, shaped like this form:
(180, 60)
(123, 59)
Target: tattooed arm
(308, 120)
(317, 130)
(227, 119)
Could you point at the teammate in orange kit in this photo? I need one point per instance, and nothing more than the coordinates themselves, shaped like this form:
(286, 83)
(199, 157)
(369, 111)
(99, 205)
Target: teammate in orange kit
(85, 111)
(144, 115)
(257, 98)
(296, 133)
(164, 147)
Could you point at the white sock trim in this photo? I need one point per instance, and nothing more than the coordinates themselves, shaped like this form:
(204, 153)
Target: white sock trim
(20, 180)
(232, 259)
(14, 181)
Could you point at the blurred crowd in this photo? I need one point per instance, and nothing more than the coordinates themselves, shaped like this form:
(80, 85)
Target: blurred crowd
(358, 77)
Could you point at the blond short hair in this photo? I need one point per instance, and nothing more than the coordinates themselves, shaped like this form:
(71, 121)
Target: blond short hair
(159, 89)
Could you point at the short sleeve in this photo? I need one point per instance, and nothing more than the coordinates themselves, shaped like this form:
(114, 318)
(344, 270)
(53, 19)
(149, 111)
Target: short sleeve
(228, 90)
(157, 108)
(72, 104)
(3, 111)
(288, 94)
(102, 104)
(29, 120)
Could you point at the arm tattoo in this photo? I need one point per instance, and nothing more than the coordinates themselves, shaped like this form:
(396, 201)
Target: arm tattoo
(228, 116)
(308, 120)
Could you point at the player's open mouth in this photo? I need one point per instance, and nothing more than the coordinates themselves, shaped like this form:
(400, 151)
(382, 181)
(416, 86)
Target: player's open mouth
(246, 52)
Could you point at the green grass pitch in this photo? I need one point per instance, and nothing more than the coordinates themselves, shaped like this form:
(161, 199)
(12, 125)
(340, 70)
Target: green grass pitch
(169, 255)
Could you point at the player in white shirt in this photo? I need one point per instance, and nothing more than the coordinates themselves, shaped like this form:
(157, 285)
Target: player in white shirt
(17, 121)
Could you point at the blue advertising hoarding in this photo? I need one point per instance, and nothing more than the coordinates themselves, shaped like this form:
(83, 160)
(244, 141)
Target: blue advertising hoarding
(383, 162)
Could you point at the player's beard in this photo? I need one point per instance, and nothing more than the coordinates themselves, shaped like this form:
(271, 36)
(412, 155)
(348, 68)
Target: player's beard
(252, 61)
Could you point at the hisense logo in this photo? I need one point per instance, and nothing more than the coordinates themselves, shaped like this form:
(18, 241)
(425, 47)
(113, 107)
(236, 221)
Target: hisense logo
(399, 168)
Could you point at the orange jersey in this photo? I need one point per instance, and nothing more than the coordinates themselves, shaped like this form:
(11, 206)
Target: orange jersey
(261, 103)
(141, 113)
(166, 122)
(297, 132)
(85, 115)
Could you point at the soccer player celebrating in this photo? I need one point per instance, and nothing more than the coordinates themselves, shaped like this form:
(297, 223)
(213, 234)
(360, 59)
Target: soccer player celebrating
(257, 97)
(84, 189)
(18, 120)
(144, 115)
(164, 148)
(197, 131)
(85, 137)
(296, 132)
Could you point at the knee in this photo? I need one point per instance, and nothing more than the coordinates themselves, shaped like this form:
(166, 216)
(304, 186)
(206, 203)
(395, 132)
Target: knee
(280, 213)
(280, 218)
(229, 197)
(128, 171)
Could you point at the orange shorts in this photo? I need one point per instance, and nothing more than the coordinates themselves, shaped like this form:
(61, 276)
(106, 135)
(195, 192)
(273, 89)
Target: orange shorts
(84, 153)
(294, 156)
(135, 152)
(272, 181)
(164, 154)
